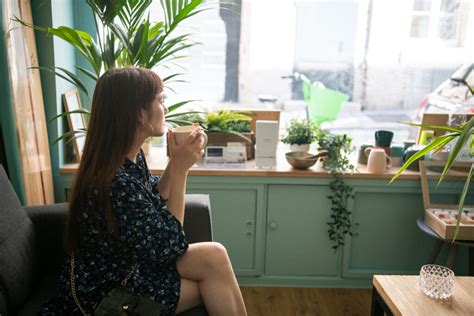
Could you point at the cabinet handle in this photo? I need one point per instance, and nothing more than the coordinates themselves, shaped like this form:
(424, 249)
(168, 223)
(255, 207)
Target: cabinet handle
(273, 225)
(248, 234)
(249, 224)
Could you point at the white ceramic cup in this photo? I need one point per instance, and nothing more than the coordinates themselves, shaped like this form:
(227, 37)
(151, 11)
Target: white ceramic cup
(378, 160)
(181, 132)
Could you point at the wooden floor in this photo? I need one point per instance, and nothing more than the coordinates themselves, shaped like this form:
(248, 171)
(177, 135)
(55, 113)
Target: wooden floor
(279, 301)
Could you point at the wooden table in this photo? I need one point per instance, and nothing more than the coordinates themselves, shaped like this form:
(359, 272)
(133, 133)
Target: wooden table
(400, 295)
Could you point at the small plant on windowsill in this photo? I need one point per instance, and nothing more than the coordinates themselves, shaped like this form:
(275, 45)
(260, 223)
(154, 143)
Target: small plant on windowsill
(223, 121)
(223, 126)
(300, 134)
(337, 162)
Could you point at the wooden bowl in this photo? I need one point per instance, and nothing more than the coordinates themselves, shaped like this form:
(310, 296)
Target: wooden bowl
(300, 159)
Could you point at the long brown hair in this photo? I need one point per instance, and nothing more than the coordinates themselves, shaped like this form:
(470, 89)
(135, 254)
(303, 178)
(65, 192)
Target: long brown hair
(119, 97)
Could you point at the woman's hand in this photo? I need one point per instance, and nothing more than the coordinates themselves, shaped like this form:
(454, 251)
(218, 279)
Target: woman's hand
(183, 156)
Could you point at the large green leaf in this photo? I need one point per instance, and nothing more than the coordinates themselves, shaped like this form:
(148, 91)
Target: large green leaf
(122, 36)
(132, 14)
(435, 127)
(66, 75)
(176, 106)
(88, 73)
(440, 141)
(70, 135)
(177, 122)
(168, 116)
(107, 10)
(82, 42)
(467, 131)
(68, 113)
(462, 199)
(167, 78)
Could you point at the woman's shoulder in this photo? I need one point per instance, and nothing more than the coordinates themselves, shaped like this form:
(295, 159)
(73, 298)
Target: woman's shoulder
(123, 178)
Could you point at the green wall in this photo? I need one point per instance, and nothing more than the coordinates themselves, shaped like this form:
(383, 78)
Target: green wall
(6, 118)
(51, 52)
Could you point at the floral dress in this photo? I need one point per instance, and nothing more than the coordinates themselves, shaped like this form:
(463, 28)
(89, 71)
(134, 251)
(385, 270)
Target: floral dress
(150, 240)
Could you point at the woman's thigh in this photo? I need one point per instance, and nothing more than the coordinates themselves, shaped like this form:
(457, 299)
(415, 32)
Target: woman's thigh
(189, 296)
(201, 259)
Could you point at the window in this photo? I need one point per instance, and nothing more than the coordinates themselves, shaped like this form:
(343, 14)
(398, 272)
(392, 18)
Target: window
(420, 24)
(387, 55)
(436, 19)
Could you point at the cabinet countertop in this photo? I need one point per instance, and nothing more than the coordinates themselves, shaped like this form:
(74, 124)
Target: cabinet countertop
(157, 160)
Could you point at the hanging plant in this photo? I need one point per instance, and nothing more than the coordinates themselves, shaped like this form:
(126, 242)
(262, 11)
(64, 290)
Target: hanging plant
(338, 147)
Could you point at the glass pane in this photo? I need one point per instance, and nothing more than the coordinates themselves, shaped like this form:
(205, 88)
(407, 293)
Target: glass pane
(447, 28)
(422, 5)
(420, 26)
(449, 6)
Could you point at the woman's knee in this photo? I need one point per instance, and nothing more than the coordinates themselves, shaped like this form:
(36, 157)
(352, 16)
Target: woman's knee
(217, 256)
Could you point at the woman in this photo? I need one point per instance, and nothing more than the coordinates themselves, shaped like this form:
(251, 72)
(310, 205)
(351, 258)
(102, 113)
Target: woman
(123, 221)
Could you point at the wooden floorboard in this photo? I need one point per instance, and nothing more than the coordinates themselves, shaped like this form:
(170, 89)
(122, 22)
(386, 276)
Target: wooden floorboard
(281, 301)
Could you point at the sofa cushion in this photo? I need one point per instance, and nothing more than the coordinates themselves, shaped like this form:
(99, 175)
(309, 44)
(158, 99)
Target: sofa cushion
(45, 290)
(16, 246)
(3, 302)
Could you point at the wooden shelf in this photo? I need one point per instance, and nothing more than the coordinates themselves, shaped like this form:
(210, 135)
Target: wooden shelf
(157, 160)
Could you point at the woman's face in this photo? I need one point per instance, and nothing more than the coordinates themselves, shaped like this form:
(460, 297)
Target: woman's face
(156, 116)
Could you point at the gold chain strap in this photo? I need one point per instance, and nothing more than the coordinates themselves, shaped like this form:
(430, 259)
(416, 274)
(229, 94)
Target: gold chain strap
(73, 288)
(73, 285)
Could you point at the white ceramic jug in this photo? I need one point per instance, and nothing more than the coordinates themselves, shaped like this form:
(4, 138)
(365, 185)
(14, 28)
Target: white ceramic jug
(378, 161)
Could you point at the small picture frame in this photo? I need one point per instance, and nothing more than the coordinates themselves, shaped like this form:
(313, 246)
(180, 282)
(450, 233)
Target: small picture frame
(72, 102)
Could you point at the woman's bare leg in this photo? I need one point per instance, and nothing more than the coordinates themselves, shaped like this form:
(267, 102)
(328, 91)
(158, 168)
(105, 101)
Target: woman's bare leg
(208, 264)
(189, 296)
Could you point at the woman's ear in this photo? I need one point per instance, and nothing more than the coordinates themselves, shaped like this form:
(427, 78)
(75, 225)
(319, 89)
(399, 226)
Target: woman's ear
(142, 117)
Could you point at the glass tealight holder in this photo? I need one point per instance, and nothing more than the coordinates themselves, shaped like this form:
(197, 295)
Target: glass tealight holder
(437, 281)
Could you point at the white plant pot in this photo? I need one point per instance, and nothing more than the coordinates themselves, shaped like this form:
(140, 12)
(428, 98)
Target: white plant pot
(303, 147)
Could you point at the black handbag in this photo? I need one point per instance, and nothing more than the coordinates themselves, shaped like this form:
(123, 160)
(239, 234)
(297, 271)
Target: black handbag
(118, 301)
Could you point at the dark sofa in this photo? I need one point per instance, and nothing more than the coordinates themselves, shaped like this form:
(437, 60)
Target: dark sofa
(31, 248)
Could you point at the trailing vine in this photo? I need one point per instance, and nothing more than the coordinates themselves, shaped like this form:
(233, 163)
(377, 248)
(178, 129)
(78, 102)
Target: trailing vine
(338, 147)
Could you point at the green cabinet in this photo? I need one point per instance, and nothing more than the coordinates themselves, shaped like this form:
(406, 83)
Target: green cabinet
(237, 219)
(297, 239)
(387, 239)
(276, 233)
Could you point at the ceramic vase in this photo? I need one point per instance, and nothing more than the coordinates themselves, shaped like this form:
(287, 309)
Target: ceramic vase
(302, 147)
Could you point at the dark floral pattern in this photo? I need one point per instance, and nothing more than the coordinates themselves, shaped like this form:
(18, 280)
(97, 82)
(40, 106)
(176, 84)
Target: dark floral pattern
(150, 239)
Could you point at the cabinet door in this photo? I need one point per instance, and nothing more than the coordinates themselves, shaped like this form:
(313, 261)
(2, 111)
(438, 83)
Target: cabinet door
(237, 211)
(387, 239)
(297, 237)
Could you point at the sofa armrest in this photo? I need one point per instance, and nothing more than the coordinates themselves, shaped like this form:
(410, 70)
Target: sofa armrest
(197, 218)
(49, 223)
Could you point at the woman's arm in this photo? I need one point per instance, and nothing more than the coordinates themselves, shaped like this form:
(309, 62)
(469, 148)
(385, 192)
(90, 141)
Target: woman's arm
(154, 235)
(182, 157)
(177, 191)
(163, 185)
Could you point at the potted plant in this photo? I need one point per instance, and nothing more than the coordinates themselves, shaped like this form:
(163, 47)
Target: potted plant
(461, 135)
(338, 147)
(301, 133)
(129, 39)
(223, 126)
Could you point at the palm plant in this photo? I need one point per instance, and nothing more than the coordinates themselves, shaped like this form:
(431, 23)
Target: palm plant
(463, 134)
(126, 38)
